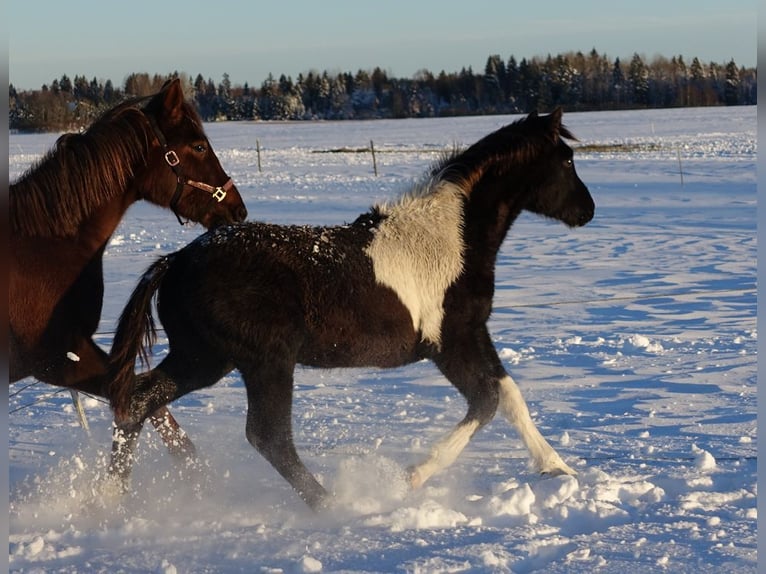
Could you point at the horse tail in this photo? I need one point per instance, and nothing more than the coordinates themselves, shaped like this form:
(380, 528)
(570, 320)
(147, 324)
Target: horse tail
(135, 335)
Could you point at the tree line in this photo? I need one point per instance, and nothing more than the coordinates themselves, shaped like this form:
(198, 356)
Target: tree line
(576, 81)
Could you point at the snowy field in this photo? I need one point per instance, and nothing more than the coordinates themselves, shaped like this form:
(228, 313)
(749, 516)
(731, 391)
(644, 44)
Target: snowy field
(633, 340)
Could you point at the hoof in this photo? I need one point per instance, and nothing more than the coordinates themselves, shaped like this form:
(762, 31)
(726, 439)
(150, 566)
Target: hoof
(558, 469)
(112, 489)
(196, 472)
(320, 504)
(182, 449)
(414, 479)
(326, 504)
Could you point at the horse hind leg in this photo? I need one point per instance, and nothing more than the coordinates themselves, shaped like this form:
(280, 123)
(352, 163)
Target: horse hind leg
(126, 431)
(124, 439)
(269, 428)
(84, 369)
(173, 378)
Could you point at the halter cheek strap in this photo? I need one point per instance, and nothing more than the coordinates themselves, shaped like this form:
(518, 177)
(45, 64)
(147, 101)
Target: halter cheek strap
(172, 159)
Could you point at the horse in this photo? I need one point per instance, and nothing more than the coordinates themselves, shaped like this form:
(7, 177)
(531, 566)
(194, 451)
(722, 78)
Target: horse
(409, 280)
(64, 209)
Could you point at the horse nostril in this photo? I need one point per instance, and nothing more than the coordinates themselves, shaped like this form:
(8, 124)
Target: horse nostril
(587, 216)
(241, 213)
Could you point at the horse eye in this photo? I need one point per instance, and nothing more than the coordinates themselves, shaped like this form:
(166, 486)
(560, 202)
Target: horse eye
(200, 148)
(569, 162)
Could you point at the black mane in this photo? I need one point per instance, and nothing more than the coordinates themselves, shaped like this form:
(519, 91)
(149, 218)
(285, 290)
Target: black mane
(515, 143)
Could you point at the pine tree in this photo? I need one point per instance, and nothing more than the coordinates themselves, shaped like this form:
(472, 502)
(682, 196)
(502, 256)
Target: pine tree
(618, 83)
(494, 79)
(575, 80)
(638, 77)
(731, 87)
(65, 84)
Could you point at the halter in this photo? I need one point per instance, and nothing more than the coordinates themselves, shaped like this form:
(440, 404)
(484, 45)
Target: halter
(172, 159)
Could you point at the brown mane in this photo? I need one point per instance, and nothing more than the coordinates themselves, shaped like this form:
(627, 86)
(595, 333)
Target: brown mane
(80, 173)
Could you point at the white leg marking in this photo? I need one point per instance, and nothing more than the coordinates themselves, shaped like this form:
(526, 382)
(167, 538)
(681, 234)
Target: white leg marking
(545, 459)
(443, 453)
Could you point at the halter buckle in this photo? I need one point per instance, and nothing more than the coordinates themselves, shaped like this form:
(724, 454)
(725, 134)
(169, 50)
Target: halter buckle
(219, 194)
(172, 158)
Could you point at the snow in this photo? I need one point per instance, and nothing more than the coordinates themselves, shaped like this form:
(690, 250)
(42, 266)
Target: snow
(633, 339)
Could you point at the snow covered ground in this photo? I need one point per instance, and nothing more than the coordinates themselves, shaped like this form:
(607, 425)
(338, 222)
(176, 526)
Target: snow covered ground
(633, 340)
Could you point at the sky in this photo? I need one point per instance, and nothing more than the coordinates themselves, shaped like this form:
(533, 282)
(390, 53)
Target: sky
(249, 40)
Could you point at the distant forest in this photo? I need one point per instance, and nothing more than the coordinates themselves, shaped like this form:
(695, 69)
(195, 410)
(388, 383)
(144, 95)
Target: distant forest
(576, 81)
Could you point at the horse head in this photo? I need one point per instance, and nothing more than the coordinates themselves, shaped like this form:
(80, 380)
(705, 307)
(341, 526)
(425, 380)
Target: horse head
(525, 165)
(183, 172)
(556, 189)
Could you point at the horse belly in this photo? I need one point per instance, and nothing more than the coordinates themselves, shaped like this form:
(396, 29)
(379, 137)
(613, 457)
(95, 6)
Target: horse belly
(377, 333)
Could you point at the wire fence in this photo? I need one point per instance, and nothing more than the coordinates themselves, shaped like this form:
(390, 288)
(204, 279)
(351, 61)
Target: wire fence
(541, 304)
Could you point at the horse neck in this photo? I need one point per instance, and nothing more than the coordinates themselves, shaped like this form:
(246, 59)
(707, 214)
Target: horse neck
(490, 212)
(34, 218)
(86, 180)
(99, 227)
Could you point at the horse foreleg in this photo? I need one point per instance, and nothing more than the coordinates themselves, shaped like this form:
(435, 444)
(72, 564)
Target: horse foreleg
(465, 368)
(444, 452)
(175, 438)
(544, 458)
(481, 410)
(79, 410)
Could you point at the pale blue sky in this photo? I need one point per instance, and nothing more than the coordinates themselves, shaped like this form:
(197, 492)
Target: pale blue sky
(249, 39)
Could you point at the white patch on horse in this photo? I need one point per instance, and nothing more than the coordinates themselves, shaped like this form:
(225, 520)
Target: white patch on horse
(544, 458)
(418, 250)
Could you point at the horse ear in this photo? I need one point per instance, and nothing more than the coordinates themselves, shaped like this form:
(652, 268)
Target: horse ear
(554, 122)
(556, 115)
(173, 100)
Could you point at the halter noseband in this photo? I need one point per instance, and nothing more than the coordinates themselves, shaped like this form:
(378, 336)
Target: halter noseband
(172, 159)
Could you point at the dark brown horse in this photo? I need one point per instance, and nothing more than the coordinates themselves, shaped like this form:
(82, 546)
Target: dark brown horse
(409, 280)
(63, 211)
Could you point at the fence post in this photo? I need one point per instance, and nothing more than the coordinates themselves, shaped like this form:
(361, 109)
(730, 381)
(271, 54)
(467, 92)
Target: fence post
(374, 162)
(258, 151)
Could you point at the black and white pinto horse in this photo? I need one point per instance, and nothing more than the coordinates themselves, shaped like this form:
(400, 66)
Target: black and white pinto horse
(408, 280)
